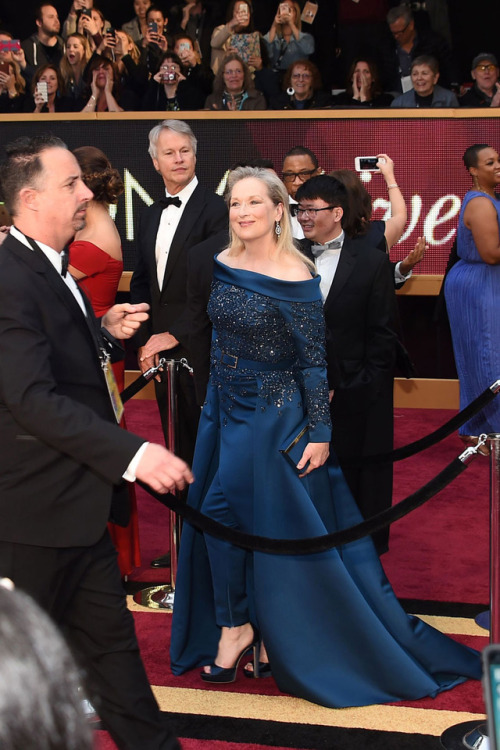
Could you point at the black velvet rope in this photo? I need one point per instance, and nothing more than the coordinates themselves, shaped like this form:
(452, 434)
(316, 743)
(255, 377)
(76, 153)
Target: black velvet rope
(137, 385)
(432, 438)
(314, 544)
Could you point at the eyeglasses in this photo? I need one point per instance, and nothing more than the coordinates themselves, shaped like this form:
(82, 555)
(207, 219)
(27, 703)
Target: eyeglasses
(490, 67)
(290, 176)
(303, 76)
(311, 212)
(401, 31)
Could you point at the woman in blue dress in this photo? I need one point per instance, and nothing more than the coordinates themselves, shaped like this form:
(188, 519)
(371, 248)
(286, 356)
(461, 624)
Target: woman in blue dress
(334, 633)
(472, 291)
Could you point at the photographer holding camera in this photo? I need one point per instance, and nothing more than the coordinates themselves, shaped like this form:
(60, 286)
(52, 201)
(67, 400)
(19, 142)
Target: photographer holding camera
(169, 90)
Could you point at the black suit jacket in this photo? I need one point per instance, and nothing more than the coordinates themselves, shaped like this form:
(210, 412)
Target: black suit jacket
(61, 451)
(205, 214)
(200, 273)
(359, 313)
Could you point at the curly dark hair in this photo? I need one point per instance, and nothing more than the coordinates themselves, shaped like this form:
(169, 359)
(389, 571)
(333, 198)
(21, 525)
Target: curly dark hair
(310, 67)
(98, 174)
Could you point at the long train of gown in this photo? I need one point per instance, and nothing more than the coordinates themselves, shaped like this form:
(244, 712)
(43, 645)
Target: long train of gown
(472, 292)
(333, 628)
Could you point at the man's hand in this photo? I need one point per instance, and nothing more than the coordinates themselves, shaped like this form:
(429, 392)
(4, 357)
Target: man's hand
(159, 342)
(163, 471)
(147, 355)
(122, 321)
(413, 257)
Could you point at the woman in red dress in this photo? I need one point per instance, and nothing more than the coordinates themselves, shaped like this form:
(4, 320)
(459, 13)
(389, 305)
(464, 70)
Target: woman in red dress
(96, 263)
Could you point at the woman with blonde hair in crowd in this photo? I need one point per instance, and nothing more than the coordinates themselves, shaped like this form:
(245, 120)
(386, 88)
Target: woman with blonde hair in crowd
(132, 71)
(73, 64)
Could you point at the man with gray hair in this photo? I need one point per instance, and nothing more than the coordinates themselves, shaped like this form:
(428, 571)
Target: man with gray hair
(409, 42)
(187, 215)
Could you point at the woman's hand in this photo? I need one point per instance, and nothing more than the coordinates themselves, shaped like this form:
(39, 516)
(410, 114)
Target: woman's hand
(19, 57)
(413, 257)
(39, 101)
(7, 82)
(255, 61)
(356, 90)
(108, 86)
(364, 88)
(93, 85)
(386, 166)
(316, 454)
(89, 25)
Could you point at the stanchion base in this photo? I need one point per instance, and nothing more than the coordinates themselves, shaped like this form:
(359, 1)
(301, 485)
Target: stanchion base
(469, 734)
(156, 597)
(483, 619)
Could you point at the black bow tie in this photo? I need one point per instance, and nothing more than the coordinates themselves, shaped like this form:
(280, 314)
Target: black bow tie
(164, 202)
(64, 262)
(293, 208)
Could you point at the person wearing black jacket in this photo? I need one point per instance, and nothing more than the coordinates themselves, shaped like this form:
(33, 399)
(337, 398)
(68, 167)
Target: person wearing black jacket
(407, 43)
(170, 90)
(302, 88)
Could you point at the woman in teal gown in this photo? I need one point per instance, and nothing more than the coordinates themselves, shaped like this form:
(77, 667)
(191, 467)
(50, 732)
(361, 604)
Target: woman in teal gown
(472, 291)
(333, 630)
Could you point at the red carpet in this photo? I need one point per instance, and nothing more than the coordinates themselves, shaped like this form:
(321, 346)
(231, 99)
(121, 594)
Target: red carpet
(439, 554)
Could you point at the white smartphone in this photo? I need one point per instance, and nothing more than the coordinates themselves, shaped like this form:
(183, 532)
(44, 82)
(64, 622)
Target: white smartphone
(491, 689)
(366, 164)
(42, 88)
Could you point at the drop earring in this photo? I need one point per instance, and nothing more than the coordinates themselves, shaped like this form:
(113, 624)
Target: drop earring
(277, 229)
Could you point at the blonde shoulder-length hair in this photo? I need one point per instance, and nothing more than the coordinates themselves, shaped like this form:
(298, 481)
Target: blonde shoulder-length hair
(278, 195)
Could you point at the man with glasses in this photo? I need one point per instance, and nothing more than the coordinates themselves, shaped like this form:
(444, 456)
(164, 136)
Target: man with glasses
(409, 42)
(486, 89)
(358, 293)
(299, 165)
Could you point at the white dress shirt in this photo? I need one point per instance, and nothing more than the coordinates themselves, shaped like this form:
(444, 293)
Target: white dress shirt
(327, 262)
(170, 218)
(55, 258)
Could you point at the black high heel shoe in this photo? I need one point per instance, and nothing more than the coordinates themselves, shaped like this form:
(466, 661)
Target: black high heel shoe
(228, 674)
(264, 670)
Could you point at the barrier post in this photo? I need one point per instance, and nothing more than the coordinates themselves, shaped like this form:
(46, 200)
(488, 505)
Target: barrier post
(162, 596)
(494, 446)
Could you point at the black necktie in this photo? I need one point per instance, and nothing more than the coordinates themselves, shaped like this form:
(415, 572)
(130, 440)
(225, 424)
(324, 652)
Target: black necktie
(64, 262)
(165, 202)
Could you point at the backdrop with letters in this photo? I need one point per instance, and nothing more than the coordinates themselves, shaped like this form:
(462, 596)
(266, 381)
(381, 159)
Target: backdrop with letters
(427, 155)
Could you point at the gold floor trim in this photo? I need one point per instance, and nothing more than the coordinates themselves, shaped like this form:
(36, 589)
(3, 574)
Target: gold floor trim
(297, 711)
(453, 625)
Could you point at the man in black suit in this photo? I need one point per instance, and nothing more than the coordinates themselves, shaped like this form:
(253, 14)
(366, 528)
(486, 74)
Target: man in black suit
(187, 215)
(63, 456)
(358, 293)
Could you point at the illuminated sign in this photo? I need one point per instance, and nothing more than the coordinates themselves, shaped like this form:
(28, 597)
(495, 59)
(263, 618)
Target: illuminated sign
(427, 154)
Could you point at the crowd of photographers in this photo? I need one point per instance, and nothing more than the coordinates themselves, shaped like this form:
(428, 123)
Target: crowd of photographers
(202, 55)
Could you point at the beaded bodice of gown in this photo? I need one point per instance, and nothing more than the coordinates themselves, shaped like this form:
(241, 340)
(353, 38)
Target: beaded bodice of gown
(274, 331)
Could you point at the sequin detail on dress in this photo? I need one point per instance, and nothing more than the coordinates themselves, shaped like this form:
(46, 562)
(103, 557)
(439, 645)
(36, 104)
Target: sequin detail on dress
(268, 330)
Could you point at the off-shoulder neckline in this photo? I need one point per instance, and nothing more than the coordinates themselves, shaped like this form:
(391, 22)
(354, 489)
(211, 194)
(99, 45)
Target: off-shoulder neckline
(263, 275)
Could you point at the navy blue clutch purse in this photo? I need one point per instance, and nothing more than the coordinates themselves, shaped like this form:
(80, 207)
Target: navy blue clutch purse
(293, 447)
